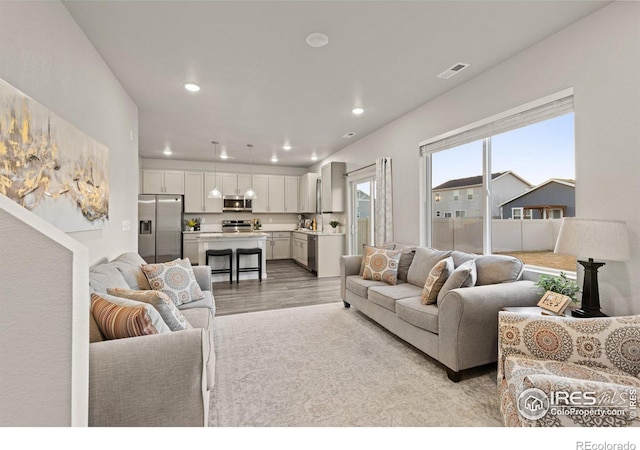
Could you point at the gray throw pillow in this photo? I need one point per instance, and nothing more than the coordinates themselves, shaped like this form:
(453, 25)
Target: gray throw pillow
(494, 269)
(406, 258)
(170, 314)
(464, 275)
(106, 276)
(423, 261)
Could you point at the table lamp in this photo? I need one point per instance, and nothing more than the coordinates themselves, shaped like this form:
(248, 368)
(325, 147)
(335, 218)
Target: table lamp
(592, 238)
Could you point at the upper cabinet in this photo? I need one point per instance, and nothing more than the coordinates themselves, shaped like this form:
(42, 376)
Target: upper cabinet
(162, 182)
(307, 193)
(196, 190)
(333, 187)
(291, 194)
(270, 194)
(235, 183)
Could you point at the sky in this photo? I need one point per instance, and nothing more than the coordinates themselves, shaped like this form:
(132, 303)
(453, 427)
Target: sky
(536, 152)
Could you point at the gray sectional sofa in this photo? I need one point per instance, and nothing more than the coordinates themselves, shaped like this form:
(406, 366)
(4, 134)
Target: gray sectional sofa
(158, 380)
(460, 329)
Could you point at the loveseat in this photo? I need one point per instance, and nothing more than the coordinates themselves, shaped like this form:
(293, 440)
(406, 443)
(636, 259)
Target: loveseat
(459, 329)
(565, 371)
(161, 379)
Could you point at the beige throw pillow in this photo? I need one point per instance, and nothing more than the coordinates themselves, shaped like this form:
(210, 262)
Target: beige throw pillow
(176, 279)
(170, 314)
(364, 252)
(435, 280)
(381, 265)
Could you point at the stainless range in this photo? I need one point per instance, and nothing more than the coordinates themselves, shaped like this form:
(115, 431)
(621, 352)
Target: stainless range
(236, 226)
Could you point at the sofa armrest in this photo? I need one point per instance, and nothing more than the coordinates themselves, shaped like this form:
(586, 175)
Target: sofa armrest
(349, 265)
(599, 339)
(468, 321)
(203, 277)
(157, 380)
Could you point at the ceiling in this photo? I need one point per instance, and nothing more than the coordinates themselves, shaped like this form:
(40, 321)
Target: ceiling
(263, 85)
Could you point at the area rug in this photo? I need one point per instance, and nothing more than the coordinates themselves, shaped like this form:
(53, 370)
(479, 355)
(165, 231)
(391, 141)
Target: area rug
(327, 366)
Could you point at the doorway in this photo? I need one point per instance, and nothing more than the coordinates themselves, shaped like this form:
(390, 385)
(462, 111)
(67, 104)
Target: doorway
(362, 213)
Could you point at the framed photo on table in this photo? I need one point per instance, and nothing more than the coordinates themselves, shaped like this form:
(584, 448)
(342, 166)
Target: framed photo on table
(554, 302)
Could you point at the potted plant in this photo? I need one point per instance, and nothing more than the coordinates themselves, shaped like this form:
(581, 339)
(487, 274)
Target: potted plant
(334, 224)
(559, 284)
(193, 224)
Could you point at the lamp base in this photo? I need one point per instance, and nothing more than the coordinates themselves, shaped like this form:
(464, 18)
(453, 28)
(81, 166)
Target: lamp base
(586, 314)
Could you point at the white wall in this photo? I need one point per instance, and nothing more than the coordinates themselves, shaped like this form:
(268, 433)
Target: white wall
(44, 53)
(599, 57)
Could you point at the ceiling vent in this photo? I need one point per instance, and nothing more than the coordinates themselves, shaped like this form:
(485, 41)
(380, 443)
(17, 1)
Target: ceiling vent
(451, 71)
(350, 134)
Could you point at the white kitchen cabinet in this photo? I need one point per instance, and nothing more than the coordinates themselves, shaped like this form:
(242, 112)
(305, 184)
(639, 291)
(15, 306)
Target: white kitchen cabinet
(281, 245)
(261, 187)
(276, 194)
(330, 249)
(190, 248)
(333, 187)
(196, 189)
(300, 249)
(307, 193)
(235, 183)
(162, 182)
(291, 194)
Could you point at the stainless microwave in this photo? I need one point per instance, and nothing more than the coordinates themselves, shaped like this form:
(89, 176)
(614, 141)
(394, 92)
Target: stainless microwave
(236, 203)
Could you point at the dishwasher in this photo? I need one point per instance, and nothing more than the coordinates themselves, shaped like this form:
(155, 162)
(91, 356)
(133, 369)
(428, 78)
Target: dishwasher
(313, 252)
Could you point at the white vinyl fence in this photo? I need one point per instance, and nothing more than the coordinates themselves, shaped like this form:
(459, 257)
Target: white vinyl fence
(507, 235)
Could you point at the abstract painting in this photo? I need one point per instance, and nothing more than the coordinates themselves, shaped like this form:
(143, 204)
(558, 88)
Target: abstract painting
(49, 166)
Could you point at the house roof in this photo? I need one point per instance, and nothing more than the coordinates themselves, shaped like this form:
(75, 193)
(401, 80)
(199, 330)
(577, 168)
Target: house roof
(566, 182)
(475, 181)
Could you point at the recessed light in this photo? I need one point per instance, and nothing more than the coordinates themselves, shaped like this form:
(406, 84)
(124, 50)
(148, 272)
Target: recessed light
(357, 111)
(317, 40)
(348, 135)
(191, 86)
(167, 151)
(224, 156)
(314, 158)
(274, 159)
(286, 147)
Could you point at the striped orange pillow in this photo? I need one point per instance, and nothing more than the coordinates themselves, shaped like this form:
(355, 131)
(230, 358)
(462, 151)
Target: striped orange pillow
(116, 322)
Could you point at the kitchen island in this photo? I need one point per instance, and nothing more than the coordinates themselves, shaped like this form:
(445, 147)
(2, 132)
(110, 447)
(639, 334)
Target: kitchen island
(234, 241)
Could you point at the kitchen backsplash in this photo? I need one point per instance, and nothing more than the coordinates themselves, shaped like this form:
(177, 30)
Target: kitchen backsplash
(213, 222)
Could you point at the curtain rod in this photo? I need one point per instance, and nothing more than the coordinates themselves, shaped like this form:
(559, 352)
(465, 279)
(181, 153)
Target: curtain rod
(356, 170)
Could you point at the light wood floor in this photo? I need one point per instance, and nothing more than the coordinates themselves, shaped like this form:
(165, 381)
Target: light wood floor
(287, 285)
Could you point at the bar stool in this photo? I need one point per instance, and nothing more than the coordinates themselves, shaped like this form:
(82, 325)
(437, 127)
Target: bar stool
(248, 251)
(222, 252)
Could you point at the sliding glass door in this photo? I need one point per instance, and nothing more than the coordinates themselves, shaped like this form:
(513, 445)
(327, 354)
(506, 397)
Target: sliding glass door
(362, 213)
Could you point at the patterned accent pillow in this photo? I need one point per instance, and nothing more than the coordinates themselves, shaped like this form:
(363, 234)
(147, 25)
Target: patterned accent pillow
(117, 322)
(381, 265)
(171, 315)
(176, 279)
(435, 280)
(364, 252)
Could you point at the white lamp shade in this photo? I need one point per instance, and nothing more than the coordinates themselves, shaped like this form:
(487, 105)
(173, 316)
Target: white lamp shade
(593, 238)
(250, 194)
(214, 193)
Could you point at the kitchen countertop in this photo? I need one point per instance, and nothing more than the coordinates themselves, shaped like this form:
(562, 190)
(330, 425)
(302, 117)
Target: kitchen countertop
(241, 235)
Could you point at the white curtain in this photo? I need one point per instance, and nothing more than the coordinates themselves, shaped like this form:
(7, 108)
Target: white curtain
(383, 202)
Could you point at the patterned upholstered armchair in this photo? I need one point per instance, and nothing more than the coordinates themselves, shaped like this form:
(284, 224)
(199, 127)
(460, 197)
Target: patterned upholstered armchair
(562, 371)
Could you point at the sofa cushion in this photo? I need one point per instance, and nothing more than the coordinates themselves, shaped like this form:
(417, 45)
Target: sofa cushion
(436, 280)
(389, 246)
(118, 322)
(169, 312)
(412, 310)
(423, 261)
(494, 269)
(387, 296)
(156, 318)
(206, 302)
(201, 318)
(406, 258)
(465, 275)
(174, 278)
(105, 276)
(130, 266)
(460, 258)
(360, 286)
(381, 265)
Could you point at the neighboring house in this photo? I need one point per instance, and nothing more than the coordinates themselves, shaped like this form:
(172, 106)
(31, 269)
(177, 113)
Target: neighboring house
(364, 204)
(553, 199)
(462, 197)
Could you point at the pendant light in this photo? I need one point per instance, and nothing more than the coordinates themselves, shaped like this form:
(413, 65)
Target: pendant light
(215, 192)
(250, 194)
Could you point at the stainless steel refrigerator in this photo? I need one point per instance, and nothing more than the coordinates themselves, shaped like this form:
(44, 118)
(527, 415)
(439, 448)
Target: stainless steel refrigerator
(160, 227)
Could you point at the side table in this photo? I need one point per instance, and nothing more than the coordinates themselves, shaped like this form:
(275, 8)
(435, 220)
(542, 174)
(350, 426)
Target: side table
(535, 310)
